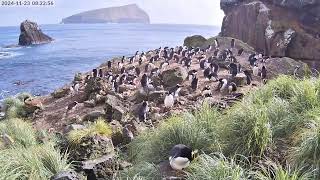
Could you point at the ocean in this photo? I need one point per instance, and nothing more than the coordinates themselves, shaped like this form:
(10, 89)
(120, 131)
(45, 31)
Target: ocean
(41, 69)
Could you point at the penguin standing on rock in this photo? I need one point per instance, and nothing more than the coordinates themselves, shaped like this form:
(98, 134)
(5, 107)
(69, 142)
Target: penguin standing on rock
(223, 83)
(192, 74)
(232, 87)
(175, 90)
(143, 111)
(109, 64)
(169, 100)
(181, 156)
(249, 77)
(206, 92)
(144, 81)
(115, 86)
(233, 68)
(95, 73)
(240, 51)
(194, 83)
(255, 70)
(216, 43)
(263, 73)
(233, 43)
(100, 74)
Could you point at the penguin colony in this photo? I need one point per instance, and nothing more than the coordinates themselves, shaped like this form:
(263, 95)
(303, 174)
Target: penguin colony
(204, 67)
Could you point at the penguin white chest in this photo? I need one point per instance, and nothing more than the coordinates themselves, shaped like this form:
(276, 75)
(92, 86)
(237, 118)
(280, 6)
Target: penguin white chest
(169, 101)
(256, 71)
(179, 163)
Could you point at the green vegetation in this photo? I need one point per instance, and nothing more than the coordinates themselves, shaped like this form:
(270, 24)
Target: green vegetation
(280, 121)
(97, 128)
(24, 154)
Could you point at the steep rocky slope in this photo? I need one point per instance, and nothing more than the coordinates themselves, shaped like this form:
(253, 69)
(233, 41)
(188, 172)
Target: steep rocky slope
(274, 27)
(123, 14)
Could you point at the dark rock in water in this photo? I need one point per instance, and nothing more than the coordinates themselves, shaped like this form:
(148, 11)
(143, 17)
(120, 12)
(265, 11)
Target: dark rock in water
(124, 14)
(277, 28)
(66, 175)
(174, 76)
(194, 41)
(30, 34)
(115, 110)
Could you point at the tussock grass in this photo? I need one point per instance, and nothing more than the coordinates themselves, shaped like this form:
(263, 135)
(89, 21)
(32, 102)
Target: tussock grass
(194, 130)
(100, 127)
(215, 167)
(274, 171)
(144, 171)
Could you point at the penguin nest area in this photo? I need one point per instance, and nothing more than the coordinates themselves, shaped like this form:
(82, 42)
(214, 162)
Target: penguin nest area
(131, 82)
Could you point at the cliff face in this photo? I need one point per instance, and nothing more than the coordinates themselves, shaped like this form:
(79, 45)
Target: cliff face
(32, 34)
(123, 14)
(275, 27)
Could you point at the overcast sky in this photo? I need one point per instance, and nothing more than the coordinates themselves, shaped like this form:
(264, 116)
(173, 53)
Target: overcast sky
(204, 12)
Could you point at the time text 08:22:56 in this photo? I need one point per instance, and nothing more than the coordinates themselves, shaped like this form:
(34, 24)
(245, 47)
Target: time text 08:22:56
(17, 3)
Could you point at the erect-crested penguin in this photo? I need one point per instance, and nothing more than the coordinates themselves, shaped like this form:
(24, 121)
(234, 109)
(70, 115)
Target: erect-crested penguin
(233, 43)
(115, 86)
(181, 156)
(203, 64)
(169, 100)
(123, 59)
(176, 90)
(95, 73)
(249, 77)
(232, 87)
(223, 83)
(100, 73)
(263, 72)
(206, 92)
(194, 83)
(216, 43)
(131, 60)
(109, 64)
(255, 70)
(140, 61)
(143, 111)
(252, 59)
(192, 74)
(233, 68)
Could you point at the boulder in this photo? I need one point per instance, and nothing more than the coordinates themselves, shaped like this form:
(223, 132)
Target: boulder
(66, 175)
(91, 148)
(60, 93)
(195, 41)
(30, 34)
(157, 96)
(278, 66)
(90, 103)
(92, 116)
(101, 168)
(277, 28)
(117, 137)
(115, 109)
(174, 75)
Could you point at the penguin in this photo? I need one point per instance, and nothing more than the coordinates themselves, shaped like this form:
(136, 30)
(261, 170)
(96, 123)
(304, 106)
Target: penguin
(123, 59)
(131, 60)
(232, 87)
(122, 79)
(164, 64)
(76, 87)
(295, 72)
(263, 72)
(72, 106)
(192, 74)
(203, 64)
(233, 43)
(233, 68)
(176, 90)
(100, 74)
(95, 73)
(216, 43)
(109, 76)
(144, 81)
(169, 100)
(206, 92)
(137, 71)
(252, 59)
(120, 65)
(240, 51)
(188, 63)
(140, 61)
(181, 157)
(136, 56)
(249, 77)
(143, 111)
(154, 71)
(115, 86)
(223, 83)
(194, 83)
(255, 70)
(109, 64)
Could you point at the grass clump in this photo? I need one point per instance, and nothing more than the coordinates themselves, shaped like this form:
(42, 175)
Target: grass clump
(194, 130)
(100, 127)
(215, 167)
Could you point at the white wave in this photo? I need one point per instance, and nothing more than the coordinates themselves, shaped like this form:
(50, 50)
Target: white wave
(9, 54)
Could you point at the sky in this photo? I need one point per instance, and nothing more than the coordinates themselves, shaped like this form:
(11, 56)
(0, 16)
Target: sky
(202, 12)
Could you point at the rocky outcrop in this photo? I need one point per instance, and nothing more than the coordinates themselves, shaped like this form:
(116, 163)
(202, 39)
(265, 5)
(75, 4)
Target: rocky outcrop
(275, 27)
(123, 14)
(174, 76)
(194, 41)
(30, 33)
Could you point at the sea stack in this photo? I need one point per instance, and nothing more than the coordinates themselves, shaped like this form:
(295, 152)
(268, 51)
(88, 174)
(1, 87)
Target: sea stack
(30, 34)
